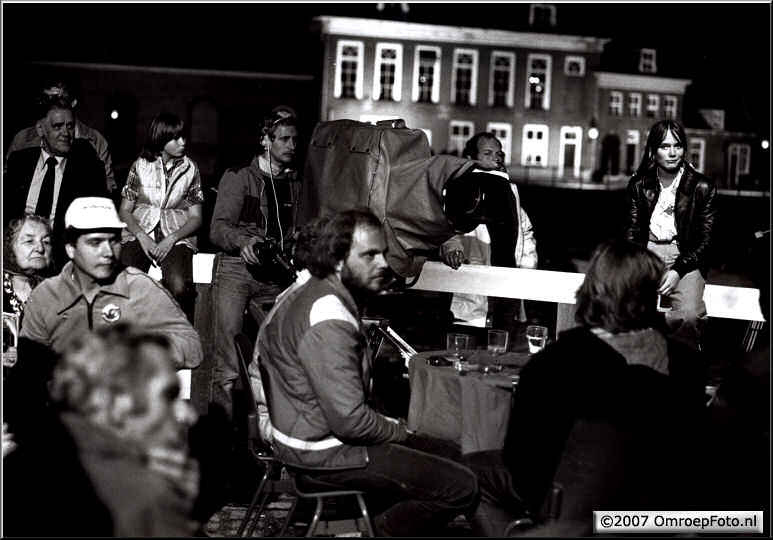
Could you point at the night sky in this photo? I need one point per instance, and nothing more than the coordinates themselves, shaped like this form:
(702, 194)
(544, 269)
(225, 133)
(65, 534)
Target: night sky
(724, 46)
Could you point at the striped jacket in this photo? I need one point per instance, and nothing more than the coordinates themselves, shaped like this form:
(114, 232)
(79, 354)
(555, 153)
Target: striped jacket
(316, 358)
(163, 197)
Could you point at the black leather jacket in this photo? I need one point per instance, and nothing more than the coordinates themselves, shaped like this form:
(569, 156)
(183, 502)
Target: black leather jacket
(694, 214)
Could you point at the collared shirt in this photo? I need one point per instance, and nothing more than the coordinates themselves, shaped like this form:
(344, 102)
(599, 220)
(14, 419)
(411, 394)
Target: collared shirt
(37, 182)
(57, 311)
(163, 195)
(662, 222)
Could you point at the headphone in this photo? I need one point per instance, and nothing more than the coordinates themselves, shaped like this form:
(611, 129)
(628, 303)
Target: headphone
(270, 122)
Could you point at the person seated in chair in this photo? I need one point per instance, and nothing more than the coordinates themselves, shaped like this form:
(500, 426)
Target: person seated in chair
(616, 367)
(316, 359)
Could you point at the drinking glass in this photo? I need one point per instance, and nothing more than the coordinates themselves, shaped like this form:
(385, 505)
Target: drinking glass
(497, 342)
(457, 343)
(536, 336)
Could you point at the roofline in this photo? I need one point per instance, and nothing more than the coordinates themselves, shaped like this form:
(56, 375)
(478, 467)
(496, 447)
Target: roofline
(176, 71)
(630, 81)
(385, 29)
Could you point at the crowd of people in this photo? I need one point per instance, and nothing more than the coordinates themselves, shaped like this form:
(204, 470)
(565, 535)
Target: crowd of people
(93, 424)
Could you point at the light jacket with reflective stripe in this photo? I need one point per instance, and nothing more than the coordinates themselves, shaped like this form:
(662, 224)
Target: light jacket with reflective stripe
(316, 358)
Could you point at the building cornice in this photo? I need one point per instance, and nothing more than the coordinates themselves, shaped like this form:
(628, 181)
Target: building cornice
(626, 81)
(398, 30)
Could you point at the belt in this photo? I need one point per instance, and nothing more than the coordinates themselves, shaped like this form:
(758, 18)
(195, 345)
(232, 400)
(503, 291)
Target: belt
(656, 241)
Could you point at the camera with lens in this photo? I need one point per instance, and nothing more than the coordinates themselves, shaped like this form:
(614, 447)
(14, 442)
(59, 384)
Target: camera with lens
(273, 265)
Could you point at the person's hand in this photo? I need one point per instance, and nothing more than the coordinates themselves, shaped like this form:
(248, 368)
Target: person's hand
(454, 258)
(247, 251)
(147, 244)
(669, 283)
(163, 248)
(8, 443)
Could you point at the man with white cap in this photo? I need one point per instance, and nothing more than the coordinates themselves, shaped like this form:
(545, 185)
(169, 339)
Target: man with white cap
(93, 290)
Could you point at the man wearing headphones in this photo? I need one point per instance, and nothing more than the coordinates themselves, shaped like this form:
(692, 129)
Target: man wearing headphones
(255, 208)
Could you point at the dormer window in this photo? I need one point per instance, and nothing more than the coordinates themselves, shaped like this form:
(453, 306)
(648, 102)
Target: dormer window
(542, 16)
(648, 61)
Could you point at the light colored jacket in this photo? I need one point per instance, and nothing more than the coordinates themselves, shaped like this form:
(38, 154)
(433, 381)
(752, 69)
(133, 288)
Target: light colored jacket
(476, 245)
(57, 310)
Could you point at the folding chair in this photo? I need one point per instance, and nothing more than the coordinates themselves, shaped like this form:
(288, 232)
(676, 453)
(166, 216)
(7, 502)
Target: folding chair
(309, 488)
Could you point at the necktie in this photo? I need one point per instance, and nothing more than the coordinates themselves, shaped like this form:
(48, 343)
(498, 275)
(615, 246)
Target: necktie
(46, 197)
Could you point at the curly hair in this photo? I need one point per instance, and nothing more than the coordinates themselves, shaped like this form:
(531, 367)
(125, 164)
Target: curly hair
(335, 240)
(270, 123)
(619, 292)
(306, 240)
(11, 234)
(118, 359)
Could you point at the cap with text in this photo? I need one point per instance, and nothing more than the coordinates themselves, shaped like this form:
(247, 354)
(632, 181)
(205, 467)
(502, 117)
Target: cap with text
(92, 213)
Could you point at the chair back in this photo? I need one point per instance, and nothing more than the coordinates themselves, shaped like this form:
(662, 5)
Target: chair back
(252, 419)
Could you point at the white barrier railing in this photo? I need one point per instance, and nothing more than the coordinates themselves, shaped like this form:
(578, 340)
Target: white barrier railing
(722, 301)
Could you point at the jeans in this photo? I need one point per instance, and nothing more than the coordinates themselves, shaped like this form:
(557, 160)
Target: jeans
(176, 272)
(234, 290)
(423, 491)
(687, 316)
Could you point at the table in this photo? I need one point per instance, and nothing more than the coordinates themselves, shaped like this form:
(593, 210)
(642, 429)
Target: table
(471, 410)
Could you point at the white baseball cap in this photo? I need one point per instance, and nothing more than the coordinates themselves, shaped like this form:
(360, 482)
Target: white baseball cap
(92, 213)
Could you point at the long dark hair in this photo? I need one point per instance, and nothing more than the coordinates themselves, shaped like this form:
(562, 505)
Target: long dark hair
(619, 292)
(657, 135)
(163, 128)
(335, 240)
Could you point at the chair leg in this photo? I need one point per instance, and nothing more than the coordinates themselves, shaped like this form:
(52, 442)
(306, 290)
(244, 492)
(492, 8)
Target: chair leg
(315, 519)
(255, 499)
(289, 517)
(366, 516)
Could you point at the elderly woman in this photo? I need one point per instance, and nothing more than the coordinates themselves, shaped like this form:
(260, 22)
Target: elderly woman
(26, 262)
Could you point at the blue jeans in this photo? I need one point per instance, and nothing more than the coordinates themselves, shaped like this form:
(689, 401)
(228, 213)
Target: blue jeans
(687, 316)
(234, 290)
(423, 491)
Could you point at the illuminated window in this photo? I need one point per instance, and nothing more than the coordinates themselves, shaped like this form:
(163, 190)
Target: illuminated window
(542, 16)
(459, 131)
(715, 118)
(647, 61)
(653, 105)
(349, 70)
(574, 66)
(464, 77)
(538, 81)
(740, 155)
(388, 72)
(570, 151)
(631, 150)
(426, 74)
(615, 103)
(634, 105)
(504, 132)
(669, 107)
(501, 79)
(534, 150)
(695, 153)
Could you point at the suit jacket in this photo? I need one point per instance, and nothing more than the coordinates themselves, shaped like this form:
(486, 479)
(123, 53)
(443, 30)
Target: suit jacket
(84, 176)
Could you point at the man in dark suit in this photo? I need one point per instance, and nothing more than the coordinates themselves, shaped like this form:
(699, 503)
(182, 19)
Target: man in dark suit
(44, 180)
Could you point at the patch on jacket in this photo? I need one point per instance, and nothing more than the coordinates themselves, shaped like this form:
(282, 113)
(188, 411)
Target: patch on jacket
(329, 308)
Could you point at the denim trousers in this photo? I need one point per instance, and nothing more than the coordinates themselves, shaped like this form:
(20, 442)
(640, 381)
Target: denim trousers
(176, 272)
(687, 316)
(420, 490)
(234, 290)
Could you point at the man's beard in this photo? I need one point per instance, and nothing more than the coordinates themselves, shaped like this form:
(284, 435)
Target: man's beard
(359, 287)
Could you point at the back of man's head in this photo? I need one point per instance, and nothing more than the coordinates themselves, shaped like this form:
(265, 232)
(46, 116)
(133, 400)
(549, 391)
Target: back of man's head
(116, 360)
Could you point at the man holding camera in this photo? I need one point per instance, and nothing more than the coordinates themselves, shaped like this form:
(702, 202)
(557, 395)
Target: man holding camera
(253, 220)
